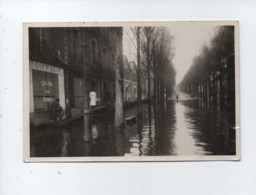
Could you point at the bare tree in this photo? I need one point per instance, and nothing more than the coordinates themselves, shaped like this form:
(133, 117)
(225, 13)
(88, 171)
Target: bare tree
(138, 29)
(119, 110)
(214, 67)
(148, 33)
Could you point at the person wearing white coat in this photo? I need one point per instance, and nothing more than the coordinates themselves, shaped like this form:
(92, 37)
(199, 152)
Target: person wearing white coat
(93, 97)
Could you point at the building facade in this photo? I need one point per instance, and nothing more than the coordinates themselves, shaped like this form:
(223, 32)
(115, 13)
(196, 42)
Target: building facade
(130, 82)
(57, 60)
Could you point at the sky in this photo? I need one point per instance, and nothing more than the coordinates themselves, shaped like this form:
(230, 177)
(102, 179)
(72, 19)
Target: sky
(189, 38)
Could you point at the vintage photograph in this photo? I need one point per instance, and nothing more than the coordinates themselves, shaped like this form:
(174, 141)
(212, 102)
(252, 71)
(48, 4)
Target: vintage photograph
(131, 91)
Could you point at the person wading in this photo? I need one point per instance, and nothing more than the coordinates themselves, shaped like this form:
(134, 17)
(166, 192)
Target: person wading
(177, 96)
(56, 111)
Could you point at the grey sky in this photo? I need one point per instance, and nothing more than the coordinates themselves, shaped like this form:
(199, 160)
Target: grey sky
(189, 37)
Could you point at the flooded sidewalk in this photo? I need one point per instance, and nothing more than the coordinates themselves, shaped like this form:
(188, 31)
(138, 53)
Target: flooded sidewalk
(184, 128)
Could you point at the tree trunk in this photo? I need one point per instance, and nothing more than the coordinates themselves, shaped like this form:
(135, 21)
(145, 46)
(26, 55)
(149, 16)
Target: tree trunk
(148, 73)
(139, 109)
(155, 87)
(205, 88)
(221, 87)
(149, 80)
(209, 87)
(119, 114)
(216, 88)
(119, 107)
(162, 94)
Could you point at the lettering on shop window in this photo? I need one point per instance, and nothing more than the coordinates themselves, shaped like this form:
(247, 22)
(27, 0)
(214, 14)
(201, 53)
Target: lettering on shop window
(48, 99)
(46, 83)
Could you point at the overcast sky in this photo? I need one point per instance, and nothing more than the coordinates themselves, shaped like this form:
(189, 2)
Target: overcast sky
(189, 37)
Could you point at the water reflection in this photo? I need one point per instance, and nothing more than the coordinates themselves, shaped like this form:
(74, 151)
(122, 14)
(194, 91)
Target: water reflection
(184, 138)
(184, 127)
(65, 142)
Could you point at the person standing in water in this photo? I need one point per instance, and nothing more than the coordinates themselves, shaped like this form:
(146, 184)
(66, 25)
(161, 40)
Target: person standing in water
(56, 111)
(93, 97)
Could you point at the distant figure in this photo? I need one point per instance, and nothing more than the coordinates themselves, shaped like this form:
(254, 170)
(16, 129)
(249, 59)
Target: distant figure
(93, 97)
(56, 111)
(177, 96)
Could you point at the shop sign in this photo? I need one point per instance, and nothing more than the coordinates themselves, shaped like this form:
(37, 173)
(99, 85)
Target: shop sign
(44, 67)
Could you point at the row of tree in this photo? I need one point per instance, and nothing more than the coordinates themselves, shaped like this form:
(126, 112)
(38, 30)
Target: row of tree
(212, 74)
(155, 54)
(154, 60)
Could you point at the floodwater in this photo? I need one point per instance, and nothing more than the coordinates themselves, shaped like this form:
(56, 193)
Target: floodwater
(185, 127)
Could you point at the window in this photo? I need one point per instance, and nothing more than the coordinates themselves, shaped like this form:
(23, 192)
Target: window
(78, 92)
(94, 53)
(45, 89)
(40, 39)
(104, 56)
(135, 93)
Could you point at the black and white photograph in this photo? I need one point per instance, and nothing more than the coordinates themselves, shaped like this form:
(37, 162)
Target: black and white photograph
(131, 91)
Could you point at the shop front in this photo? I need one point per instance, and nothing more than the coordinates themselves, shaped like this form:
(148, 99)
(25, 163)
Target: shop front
(45, 85)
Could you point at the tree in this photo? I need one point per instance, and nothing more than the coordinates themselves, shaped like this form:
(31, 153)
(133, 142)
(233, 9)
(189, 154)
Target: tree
(148, 33)
(138, 71)
(165, 72)
(155, 54)
(213, 67)
(119, 111)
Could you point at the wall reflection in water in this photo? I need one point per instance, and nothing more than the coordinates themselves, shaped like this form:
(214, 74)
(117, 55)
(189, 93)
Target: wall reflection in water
(180, 128)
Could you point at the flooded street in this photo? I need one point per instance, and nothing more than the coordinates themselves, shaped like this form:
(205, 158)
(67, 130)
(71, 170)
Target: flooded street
(186, 127)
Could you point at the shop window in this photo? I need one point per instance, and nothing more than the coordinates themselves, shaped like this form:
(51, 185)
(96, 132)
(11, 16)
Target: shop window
(45, 89)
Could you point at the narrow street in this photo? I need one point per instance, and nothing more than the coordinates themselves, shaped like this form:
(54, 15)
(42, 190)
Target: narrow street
(187, 127)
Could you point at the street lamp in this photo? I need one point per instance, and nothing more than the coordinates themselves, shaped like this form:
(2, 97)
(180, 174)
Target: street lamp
(87, 112)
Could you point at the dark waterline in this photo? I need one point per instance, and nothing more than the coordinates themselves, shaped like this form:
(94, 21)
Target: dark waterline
(184, 128)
